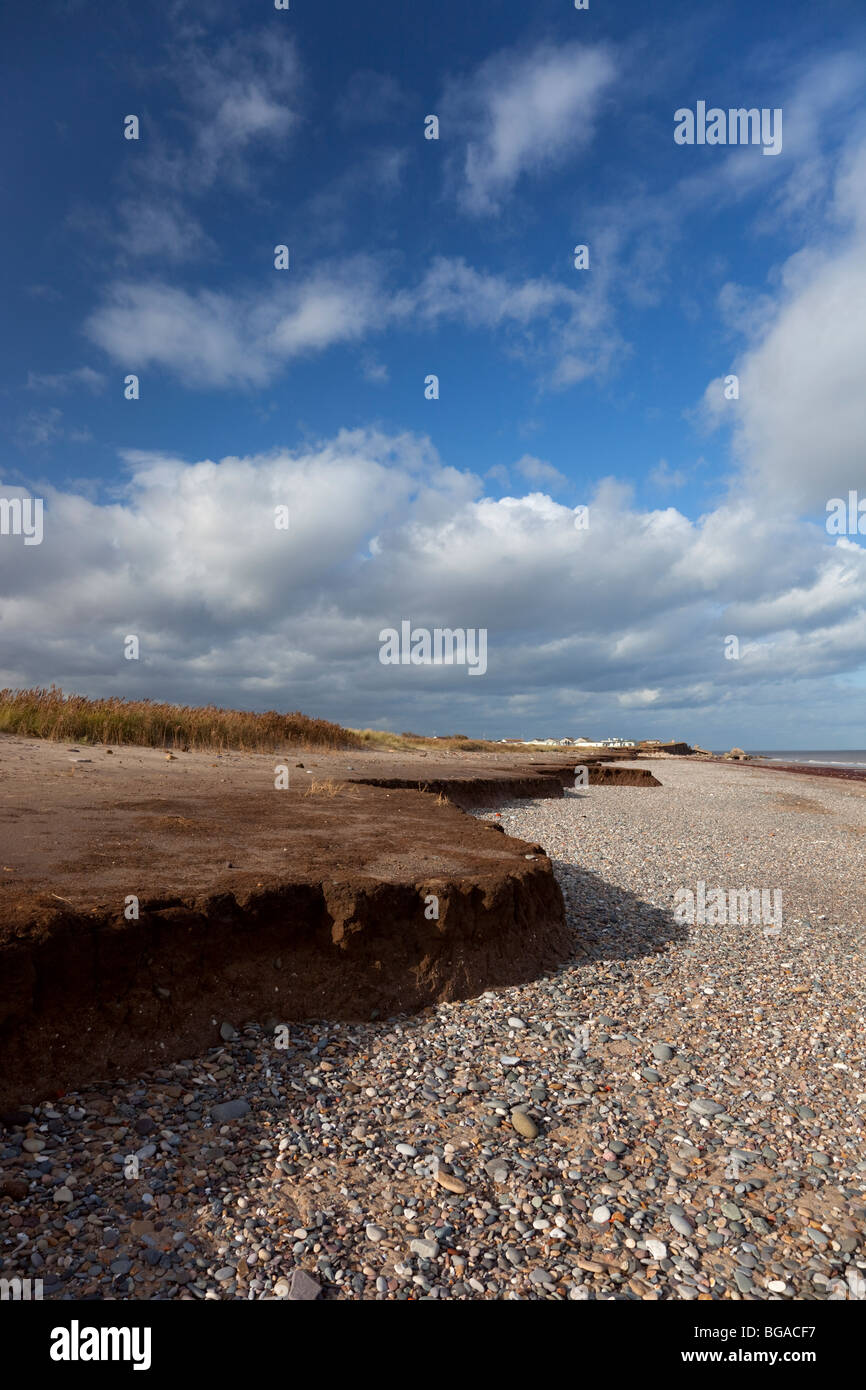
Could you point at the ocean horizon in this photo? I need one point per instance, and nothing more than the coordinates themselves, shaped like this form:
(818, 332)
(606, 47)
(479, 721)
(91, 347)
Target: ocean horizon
(822, 757)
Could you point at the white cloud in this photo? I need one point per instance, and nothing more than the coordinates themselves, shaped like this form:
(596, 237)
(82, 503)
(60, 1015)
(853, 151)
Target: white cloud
(62, 382)
(210, 338)
(663, 476)
(523, 113)
(241, 97)
(630, 614)
(538, 471)
(800, 420)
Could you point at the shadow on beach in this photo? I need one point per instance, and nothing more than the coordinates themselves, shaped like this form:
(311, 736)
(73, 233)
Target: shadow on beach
(610, 923)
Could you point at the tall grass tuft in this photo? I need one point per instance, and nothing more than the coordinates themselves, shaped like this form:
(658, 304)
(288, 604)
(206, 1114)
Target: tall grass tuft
(148, 723)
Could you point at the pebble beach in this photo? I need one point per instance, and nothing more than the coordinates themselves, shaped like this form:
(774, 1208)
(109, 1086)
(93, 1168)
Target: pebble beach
(675, 1113)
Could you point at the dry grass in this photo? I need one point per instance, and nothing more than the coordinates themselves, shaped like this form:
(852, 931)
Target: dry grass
(399, 743)
(75, 719)
(327, 788)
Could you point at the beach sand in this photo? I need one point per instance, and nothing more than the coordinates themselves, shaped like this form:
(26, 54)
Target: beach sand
(677, 1113)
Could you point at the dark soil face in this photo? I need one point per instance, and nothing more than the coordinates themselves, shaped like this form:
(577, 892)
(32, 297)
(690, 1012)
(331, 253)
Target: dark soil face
(312, 902)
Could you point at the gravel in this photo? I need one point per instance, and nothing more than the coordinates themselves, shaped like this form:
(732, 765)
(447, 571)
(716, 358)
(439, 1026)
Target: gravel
(683, 1118)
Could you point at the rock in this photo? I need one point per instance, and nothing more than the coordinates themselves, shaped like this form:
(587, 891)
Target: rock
(601, 1215)
(303, 1288)
(230, 1110)
(662, 1052)
(406, 1150)
(731, 1211)
(228, 1032)
(649, 1074)
(63, 1194)
(450, 1182)
(680, 1222)
(426, 1249)
(375, 1233)
(497, 1169)
(703, 1106)
(33, 1146)
(16, 1188)
(224, 1274)
(776, 1286)
(524, 1125)
(515, 1022)
(743, 1280)
(656, 1248)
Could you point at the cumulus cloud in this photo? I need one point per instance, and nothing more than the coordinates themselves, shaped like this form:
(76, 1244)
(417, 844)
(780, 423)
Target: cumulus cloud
(628, 615)
(800, 419)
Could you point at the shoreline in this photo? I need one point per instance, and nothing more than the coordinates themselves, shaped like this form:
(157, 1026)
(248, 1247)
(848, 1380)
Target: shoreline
(847, 774)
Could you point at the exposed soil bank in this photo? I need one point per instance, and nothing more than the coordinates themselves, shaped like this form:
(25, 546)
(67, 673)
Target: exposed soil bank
(492, 789)
(252, 903)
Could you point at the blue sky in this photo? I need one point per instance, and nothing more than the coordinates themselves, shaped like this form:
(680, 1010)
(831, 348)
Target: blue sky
(558, 387)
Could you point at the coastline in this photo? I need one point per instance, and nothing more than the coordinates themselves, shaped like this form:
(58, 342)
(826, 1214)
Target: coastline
(847, 774)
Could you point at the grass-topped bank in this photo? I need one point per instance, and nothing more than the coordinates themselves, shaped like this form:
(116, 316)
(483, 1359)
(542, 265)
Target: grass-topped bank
(148, 723)
(399, 743)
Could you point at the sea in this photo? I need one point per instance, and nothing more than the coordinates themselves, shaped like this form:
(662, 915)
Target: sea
(821, 757)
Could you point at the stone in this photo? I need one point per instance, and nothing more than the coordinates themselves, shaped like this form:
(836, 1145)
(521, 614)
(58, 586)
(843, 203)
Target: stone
(662, 1052)
(425, 1249)
(703, 1106)
(524, 1125)
(497, 1169)
(230, 1110)
(450, 1182)
(375, 1233)
(601, 1215)
(303, 1287)
(680, 1222)
(656, 1248)
(228, 1032)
